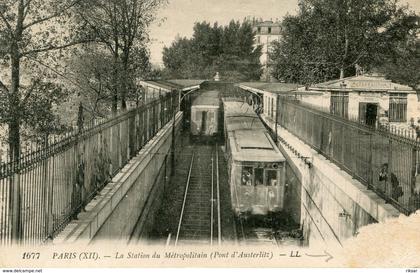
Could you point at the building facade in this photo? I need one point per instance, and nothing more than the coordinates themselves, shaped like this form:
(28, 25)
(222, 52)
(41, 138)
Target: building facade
(266, 33)
(369, 99)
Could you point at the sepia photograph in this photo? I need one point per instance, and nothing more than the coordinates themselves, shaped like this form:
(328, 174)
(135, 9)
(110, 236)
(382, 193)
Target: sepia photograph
(209, 133)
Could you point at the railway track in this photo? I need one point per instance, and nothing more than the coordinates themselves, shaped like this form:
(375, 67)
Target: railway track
(199, 220)
(256, 233)
(249, 235)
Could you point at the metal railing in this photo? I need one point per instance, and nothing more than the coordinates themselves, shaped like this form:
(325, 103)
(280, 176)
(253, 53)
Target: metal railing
(402, 129)
(386, 163)
(42, 192)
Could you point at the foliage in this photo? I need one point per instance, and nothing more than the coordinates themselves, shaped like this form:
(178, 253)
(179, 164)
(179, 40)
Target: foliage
(121, 26)
(31, 31)
(402, 64)
(228, 50)
(35, 39)
(328, 38)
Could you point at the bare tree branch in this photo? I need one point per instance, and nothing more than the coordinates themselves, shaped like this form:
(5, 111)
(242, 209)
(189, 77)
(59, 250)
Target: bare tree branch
(102, 38)
(53, 47)
(3, 86)
(56, 14)
(9, 27)
(29, 93)
(27, 8)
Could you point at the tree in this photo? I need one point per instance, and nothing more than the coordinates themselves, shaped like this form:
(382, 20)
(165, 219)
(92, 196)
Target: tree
(92, 75)
(121, 26)
(178, 58)
(91, 79)
(405, 68)
(30, 28)
(228, 50)
(402, 60)
(328, 38)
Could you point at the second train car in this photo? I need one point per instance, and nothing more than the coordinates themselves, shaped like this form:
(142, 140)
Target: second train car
(256, 166)
(205, 114)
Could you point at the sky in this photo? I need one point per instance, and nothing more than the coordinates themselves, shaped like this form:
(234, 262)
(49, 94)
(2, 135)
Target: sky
(178, 17)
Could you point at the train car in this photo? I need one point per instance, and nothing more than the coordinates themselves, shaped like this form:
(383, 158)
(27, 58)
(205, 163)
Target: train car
(256, 166)
(205, 114)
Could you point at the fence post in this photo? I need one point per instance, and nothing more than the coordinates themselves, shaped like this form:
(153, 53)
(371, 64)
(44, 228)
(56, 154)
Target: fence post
(412, 204)
(389, 165)
(132, 134)
(48, 192)
(15, 207)
(173, 132)
(370, 170)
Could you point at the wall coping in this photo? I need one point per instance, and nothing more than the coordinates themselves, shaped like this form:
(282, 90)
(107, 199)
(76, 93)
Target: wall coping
(101, 207)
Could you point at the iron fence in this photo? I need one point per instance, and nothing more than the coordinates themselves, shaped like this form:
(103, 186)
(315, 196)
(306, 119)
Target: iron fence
(42, 192)
(386, 163)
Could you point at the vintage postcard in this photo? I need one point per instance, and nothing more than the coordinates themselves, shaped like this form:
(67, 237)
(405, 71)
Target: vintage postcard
(187, 133)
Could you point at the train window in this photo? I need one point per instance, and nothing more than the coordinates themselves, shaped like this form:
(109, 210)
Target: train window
(247, 176)
(271, 177)
(259, 176)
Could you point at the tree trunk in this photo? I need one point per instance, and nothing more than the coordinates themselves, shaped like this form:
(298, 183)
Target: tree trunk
(115, 82)
(124, 81)
(14, 102)
(346, 50)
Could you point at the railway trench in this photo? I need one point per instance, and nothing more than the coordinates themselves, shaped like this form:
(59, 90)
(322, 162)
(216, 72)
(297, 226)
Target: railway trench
(191, 215)
(196, 208)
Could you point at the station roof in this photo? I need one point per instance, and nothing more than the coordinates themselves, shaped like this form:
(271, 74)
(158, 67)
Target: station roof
(366, 83)
(167, 85)
(186, 83)
(275, 87)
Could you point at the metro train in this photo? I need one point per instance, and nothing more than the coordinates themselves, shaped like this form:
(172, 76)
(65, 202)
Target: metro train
(205, 113)
(256, 166)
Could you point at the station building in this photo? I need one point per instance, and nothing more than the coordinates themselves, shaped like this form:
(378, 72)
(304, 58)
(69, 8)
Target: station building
(370, 99)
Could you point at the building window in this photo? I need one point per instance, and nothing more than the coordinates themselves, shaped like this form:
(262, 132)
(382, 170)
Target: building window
(247, 175)
(271, 177)
(269, 30)
(397, 107)
(259, 176)
(339, 104)
(259, 29)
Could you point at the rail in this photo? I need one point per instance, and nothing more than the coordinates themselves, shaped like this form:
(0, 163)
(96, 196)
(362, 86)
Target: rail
(198, 218)
(184, 200)
(47, 187)
(212, 204)
(219, 224)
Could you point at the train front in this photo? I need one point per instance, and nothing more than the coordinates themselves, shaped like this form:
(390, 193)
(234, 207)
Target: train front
(257, 174)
